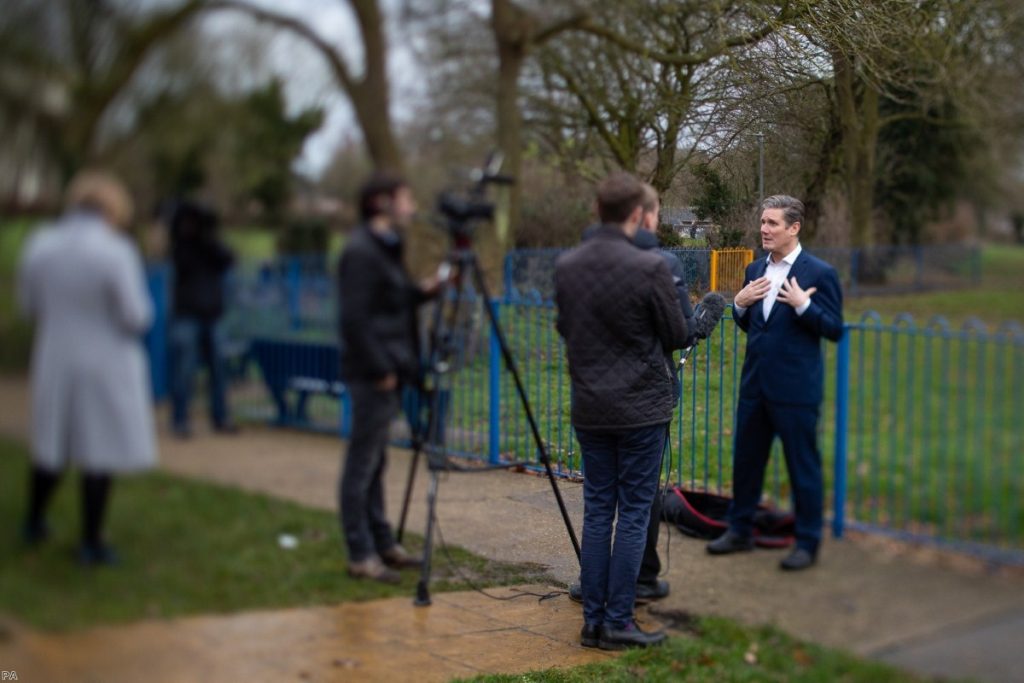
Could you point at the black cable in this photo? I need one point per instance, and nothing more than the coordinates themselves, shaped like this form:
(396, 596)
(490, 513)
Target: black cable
(541, 597)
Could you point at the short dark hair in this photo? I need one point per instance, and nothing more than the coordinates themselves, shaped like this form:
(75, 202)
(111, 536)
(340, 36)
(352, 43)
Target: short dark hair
(792, 208)
(379, 185)
(618, 195)
(650, 200)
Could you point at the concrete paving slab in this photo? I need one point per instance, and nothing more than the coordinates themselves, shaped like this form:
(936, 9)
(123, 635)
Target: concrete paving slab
(992, 645)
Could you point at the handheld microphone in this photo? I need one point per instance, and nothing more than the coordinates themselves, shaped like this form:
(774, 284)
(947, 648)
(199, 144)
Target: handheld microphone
(709, 313)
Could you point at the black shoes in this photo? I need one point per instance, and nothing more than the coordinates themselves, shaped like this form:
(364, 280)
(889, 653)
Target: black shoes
(590, 635)
(96, 555)
(36, 534)
(631, 636)
(797, 560)
(730, 542)
(645, 592)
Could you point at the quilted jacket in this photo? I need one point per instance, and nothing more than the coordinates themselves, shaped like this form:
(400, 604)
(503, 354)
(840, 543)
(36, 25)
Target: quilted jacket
(618, 312)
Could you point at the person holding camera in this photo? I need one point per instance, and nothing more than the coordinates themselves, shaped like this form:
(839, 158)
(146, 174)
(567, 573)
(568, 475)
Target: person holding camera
(379, 354)
(619, 314)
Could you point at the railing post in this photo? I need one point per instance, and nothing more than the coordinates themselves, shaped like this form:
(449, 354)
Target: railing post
(157, 280)
(293, 288)
(494, 399)
(842, 420)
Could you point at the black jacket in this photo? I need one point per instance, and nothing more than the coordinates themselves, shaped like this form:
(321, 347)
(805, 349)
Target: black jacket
(647, 241)
(619, 314)
(378, 301)
(200, 262)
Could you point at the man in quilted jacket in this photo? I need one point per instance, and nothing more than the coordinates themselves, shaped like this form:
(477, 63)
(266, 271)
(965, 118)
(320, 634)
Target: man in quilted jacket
(619, 314)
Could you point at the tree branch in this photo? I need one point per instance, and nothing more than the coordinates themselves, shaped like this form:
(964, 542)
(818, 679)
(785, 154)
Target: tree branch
(300, 28)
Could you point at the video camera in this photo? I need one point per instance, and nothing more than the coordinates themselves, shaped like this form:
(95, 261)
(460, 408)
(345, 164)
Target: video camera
(463, 210)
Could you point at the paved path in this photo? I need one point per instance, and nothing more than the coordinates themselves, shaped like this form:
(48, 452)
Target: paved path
(914, 609)
(461, 634)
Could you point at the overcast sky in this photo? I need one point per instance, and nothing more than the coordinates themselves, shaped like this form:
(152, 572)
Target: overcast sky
(308, 79)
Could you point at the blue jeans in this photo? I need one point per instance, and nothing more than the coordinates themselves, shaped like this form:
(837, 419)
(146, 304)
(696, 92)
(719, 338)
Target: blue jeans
(620, 475)
(193, 340)
(361, 489)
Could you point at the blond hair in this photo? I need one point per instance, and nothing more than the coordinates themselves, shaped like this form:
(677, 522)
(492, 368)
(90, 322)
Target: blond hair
(101, 191)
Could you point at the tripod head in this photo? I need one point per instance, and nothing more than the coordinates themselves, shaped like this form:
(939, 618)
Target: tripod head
(464, 210)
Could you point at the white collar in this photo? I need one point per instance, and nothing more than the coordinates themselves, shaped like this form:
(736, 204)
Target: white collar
(789, 258)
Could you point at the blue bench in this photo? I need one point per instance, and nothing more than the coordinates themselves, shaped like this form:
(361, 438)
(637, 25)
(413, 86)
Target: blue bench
(294, 370)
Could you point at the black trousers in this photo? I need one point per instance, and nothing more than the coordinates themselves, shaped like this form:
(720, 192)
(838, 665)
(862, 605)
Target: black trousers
(95, 496)
(650, 565)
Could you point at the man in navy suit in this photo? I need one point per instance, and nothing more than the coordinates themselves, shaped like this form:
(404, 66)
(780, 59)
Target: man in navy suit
(789, 301)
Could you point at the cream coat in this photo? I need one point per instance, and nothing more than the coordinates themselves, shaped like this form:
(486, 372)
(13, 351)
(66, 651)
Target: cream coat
(84, 285)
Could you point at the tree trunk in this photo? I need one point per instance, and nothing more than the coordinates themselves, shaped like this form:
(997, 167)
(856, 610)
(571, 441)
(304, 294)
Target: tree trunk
(371, 96)
(857, 104)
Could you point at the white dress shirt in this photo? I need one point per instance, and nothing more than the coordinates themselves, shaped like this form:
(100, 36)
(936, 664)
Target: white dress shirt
(777, 274)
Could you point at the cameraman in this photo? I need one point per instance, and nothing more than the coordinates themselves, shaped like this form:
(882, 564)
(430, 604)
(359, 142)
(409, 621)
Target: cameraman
(379, 353)
(619, 314)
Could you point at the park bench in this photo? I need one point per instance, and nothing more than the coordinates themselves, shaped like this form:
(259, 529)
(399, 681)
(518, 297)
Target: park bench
(295, 370)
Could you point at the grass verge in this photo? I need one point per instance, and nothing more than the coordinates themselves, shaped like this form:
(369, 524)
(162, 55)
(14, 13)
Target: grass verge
(718, 649)
(190, 547)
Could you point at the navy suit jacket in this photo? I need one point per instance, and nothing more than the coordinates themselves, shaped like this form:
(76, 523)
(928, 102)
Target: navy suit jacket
(784, 362)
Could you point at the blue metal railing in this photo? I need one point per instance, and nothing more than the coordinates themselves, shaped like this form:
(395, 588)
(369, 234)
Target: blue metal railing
(921, 436)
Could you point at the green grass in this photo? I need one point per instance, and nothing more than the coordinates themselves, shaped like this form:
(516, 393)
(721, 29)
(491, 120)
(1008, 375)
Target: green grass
(718, 649)
(189, 548)
(15, 331)
(999, 297)
(254, 244)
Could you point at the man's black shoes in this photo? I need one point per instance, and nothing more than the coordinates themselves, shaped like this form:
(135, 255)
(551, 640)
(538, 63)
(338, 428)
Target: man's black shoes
(646, 592)
(797, 560)
(631, 636)
(730, 542)
(590, 635)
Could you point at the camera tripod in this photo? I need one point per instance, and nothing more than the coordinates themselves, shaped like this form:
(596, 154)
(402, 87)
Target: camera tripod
(454, 299)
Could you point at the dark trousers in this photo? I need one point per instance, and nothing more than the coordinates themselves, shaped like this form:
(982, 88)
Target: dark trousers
(620, 479)
(192, 341)
(95, 495)
(361, 489)
(758, 422)
(650, 563)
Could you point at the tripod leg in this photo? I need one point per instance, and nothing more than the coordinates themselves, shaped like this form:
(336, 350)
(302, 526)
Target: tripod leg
(510, 363)
(423, 587)
(417, 447)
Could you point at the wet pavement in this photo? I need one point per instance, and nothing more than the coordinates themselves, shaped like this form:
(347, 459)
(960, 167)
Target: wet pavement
(924, 611)
(460, 634)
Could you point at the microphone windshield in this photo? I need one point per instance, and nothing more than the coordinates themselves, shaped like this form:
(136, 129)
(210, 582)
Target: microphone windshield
(712, 308)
